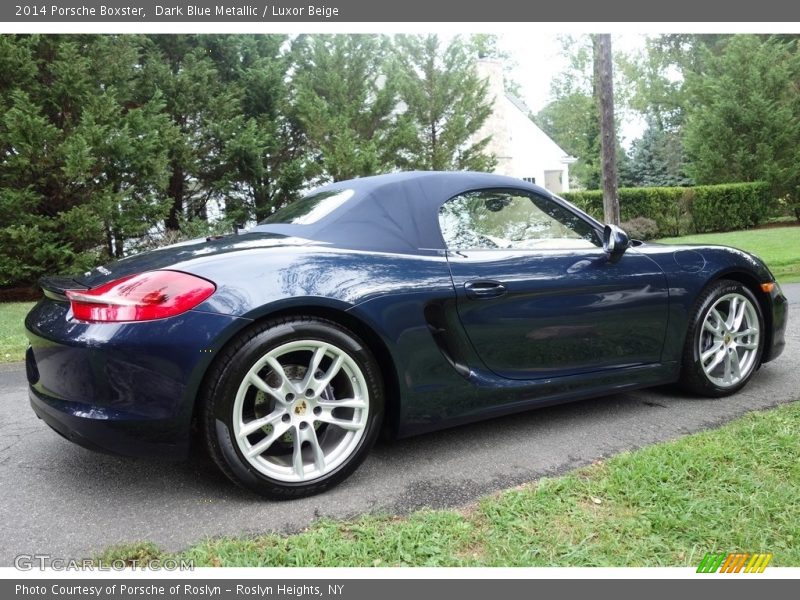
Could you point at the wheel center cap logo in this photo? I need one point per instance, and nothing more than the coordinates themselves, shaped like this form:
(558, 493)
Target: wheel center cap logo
(728, 339)
(300, 408)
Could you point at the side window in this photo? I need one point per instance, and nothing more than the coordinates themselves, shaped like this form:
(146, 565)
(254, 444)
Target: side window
(513, 219)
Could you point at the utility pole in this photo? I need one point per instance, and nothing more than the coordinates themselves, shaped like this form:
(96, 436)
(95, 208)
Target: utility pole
(604, 89)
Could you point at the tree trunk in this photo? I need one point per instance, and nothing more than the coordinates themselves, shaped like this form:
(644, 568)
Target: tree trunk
(175, 191)
(262, 201)
(434, 141)
(119, 244)
(604, 86)
(198, 209)
(109, 240)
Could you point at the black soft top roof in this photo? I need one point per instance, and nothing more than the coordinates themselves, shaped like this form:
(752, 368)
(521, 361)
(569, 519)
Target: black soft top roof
(396, 212)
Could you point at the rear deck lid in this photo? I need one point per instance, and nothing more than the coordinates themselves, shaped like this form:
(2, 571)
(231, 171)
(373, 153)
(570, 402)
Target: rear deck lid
(172, 256)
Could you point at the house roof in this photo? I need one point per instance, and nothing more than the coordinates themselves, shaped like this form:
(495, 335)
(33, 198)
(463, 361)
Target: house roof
(520, 105)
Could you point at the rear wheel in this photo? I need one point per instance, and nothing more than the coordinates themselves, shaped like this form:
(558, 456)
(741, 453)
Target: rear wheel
(293, 408)
(724, 341)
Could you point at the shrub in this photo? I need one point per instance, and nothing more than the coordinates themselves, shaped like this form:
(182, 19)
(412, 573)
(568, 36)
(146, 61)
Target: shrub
(641, 228)
(730, 206)
(681, 210)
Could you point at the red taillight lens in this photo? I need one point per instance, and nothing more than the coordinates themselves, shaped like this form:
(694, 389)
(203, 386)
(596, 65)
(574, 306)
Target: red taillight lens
(143, 297)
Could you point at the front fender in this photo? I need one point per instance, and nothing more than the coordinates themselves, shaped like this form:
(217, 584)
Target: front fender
(691, 268)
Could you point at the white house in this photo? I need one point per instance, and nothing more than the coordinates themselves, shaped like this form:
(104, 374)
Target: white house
(521, 148)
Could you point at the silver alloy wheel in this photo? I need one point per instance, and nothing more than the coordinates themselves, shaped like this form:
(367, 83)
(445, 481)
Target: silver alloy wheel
(301, 410)
(729, 340)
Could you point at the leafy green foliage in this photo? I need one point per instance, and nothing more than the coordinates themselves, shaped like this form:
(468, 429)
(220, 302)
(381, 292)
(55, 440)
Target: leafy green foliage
(572, 118)
(657, 76)
(731, 206)
(264, 158)
(234, 140)
(111, 144)
(657, 90)
(720, 109)
(656, 159)
(346, 104)
(681, 210)
(741, 124)
(640, 228)
(83, 156)
(445, 103)
(744, 123)
(572, 121)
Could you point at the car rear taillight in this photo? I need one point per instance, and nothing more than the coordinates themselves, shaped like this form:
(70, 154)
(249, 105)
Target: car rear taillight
(142, 297)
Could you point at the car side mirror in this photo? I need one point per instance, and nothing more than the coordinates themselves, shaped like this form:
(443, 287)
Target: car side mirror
(615, 242)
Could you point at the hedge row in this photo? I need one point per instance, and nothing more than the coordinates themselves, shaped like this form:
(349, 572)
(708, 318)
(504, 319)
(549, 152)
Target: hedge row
(684, 210)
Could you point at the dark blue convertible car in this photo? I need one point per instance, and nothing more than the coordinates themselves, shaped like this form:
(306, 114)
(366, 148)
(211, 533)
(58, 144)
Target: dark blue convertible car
(405, 303)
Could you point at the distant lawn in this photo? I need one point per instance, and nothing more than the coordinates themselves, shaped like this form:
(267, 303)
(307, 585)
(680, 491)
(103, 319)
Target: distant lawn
(736, 488)
(12, 331)
(779, 247)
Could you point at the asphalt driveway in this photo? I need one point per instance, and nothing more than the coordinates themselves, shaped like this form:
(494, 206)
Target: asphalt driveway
(60, 499)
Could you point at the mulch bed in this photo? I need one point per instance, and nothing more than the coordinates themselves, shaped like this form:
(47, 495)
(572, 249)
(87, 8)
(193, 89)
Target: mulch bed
(20, 294)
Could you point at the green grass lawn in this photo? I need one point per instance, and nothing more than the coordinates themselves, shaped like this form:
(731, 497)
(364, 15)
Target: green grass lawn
(12, 332)
(736, 488)
(779, 247)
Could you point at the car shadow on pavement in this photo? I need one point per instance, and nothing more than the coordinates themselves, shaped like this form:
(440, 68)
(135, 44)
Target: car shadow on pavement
(430, 455)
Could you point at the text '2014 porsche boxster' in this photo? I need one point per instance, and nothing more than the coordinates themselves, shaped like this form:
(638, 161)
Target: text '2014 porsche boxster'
(405, 303)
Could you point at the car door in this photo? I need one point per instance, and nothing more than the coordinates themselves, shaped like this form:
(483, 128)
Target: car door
(537, 295)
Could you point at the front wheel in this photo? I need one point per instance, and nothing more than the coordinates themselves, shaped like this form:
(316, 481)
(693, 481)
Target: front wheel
(724, 341)
(294, 407)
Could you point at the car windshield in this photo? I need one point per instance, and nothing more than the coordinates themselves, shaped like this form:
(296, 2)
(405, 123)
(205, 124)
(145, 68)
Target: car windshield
(309, 209)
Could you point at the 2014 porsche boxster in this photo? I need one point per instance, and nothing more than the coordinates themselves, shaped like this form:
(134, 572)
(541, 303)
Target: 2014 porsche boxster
(406, 303)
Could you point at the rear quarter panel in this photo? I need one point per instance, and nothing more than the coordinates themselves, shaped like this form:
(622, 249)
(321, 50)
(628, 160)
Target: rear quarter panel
(386, 293)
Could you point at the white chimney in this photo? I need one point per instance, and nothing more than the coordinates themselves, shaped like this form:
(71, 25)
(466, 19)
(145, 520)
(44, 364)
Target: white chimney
(496, 125)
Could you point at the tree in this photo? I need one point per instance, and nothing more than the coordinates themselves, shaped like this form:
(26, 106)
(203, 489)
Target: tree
(572, 121)
(742, 124)
(239, 141)
(658, 91)
(657, 158)
(264, 155)
(199, 103)
(111, 143)
(346, 104)
(604, 90)
(444, 105)
(571, 117)
(83, 158)
(658, 75)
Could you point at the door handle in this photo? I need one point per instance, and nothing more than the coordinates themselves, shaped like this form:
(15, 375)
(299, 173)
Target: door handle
(484, 289)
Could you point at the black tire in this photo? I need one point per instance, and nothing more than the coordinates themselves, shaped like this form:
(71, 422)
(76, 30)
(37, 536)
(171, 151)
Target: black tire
(694, 377)
(226, 379)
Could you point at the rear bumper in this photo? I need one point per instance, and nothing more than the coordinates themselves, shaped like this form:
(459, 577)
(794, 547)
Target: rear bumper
(122, 388)
(109, 435)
